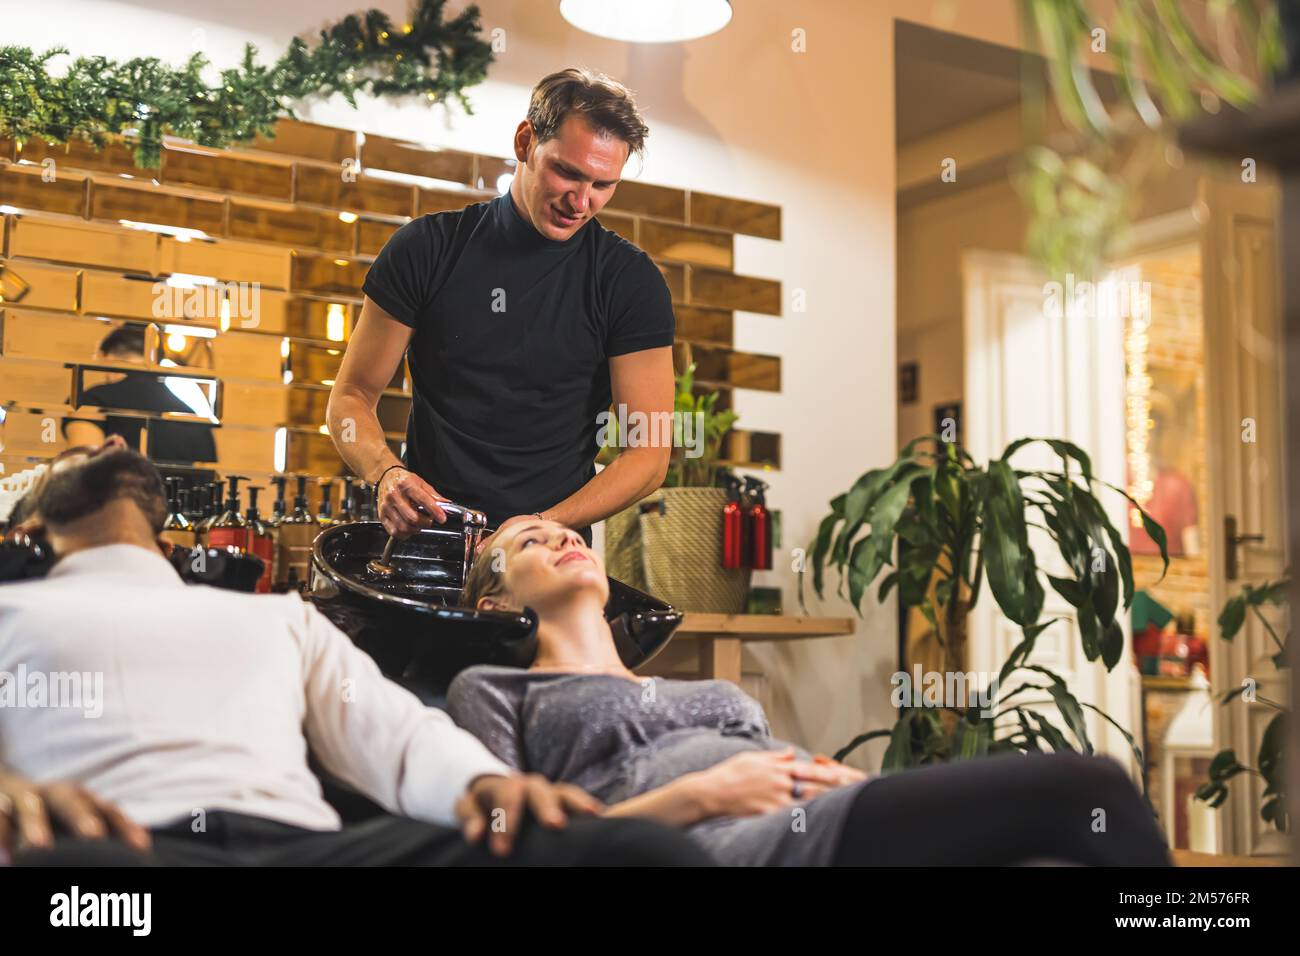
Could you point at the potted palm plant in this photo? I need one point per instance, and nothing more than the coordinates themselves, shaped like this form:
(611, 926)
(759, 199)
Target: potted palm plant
(959, 524)
(669, 544)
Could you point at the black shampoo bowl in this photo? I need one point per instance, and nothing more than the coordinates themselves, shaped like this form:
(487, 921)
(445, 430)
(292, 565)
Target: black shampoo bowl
(412, 625)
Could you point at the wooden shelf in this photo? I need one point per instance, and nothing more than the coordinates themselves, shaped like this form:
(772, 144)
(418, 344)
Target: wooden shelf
(764, 627)
(721, 636)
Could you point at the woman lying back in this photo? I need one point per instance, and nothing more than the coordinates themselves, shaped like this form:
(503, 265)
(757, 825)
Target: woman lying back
(700, 754)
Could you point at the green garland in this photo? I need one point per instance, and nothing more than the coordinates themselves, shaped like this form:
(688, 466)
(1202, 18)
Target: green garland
(146, 99)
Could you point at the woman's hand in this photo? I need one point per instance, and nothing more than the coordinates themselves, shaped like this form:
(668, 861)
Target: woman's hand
(761, 781)
(846, 775)
(408, 503)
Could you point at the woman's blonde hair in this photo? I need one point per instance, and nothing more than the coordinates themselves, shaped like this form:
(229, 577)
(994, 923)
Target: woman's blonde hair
(483, 580)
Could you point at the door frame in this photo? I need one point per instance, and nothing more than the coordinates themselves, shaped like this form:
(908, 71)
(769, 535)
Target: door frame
(1083, 394)
(1242, 833)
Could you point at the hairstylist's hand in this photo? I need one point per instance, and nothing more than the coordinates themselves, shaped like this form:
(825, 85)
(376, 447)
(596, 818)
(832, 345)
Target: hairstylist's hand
(27, 809)
(497, 805)
(408, 503)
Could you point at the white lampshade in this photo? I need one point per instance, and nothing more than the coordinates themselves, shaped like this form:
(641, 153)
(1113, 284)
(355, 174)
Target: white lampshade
(648, 21)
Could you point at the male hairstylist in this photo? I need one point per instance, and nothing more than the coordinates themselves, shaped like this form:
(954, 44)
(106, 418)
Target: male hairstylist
(523, 319)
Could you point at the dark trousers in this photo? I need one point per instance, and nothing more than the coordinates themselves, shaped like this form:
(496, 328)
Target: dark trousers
(1004, 810)
(234, 839)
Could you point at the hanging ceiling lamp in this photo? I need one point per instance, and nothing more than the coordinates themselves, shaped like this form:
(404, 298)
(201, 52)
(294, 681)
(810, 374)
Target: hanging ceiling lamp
(648, 21)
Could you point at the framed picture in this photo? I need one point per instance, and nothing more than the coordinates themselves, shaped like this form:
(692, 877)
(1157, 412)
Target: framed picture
(909, 384)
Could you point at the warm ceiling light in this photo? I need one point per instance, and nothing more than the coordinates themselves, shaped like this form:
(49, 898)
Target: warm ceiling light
(335, 322)
(648, 21)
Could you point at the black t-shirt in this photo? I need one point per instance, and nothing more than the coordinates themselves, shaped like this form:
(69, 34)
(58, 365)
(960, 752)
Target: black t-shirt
(510, 356)
(180, 442)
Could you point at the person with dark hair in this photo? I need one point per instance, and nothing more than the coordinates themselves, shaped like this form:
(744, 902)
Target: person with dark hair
(25, 515)
(181, 443)
(177, 719)
(523, 318)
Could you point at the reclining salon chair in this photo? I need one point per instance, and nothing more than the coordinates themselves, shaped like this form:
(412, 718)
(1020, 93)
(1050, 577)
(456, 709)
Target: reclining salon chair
(409, 621)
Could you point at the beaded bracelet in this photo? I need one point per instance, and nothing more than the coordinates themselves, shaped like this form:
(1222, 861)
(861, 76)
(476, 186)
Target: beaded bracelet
(383, 473)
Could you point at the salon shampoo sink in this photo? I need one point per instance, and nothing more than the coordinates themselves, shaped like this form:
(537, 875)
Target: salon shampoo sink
(412, 625)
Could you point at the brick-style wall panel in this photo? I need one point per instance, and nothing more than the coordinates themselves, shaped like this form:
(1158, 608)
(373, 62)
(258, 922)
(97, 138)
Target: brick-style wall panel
(300, 216)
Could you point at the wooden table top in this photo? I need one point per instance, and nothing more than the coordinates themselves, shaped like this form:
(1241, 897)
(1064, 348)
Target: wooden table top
(763, 627)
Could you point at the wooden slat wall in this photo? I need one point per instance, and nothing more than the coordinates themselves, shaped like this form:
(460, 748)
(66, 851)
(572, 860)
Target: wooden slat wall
(303, 216)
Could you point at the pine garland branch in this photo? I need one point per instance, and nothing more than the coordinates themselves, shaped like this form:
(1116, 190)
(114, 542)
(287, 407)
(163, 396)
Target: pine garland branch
(146, 99)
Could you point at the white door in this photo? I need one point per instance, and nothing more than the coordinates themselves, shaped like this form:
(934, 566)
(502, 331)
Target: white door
(1029, 374)
(1245, 425)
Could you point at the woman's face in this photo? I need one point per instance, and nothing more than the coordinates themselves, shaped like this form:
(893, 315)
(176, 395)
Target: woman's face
(543, 564)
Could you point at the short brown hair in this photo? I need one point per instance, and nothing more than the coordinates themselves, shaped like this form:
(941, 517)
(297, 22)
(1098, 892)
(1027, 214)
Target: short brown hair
(82, 490)
(605, 103)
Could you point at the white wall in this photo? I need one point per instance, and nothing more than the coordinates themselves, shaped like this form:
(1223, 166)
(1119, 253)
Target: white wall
(739, 114)
(931, 239)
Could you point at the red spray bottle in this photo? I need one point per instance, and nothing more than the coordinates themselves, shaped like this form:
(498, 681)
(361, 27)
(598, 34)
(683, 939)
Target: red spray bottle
(733, 542)
(758, 522)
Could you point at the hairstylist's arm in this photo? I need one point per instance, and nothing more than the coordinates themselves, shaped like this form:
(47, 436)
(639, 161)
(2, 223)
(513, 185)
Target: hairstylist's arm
(374, 352)
(643, 383)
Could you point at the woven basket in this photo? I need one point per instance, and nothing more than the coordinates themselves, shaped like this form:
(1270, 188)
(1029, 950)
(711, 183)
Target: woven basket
(682, 552)
(623, 560)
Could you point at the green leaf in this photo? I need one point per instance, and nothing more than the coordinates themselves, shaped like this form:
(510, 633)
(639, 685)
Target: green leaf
(1232, 617)
(821, 544)
(1132, 744)
(858, 741)
(1126, 54)
(1022, 650)
(1105, 583)
(1069, 450)
(1075, 95)
(1270, 752)
(1051, 733)
(898, 755)
(1112, 645)
(973, 739)
(859, 575)
(1225, 765)
(1152, 527)
(1031, 735)
(1005, 542)
(1068, 589)
(1120, 550)
(1231, 86)
(1067, 704)
(1088, 630)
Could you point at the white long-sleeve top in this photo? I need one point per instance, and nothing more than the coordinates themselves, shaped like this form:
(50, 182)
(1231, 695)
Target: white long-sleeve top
(208, 699)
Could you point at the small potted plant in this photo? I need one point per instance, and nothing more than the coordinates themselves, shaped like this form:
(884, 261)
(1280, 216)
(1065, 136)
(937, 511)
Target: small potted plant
(1272, 747)
(670, 543)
